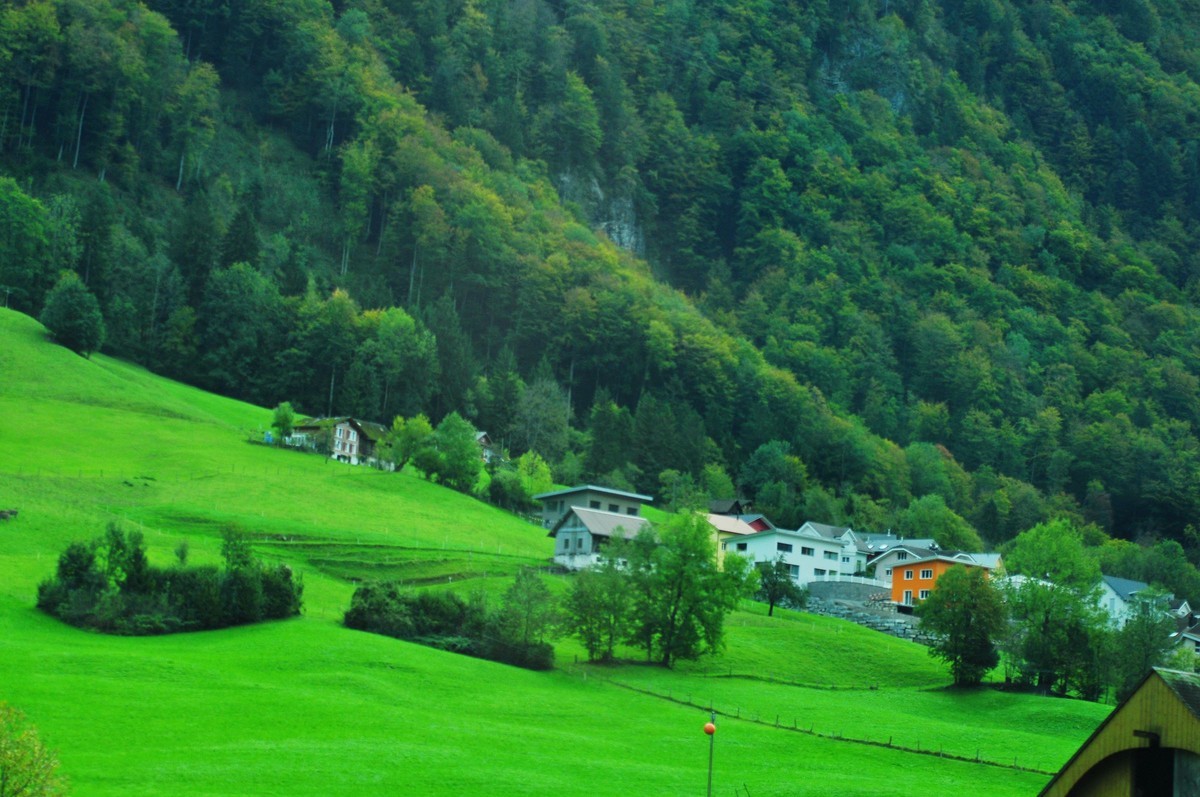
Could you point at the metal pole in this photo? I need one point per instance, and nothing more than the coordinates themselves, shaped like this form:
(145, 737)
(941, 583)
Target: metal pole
(712, 741)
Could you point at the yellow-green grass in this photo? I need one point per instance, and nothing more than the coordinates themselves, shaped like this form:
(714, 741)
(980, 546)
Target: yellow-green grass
(308, 707)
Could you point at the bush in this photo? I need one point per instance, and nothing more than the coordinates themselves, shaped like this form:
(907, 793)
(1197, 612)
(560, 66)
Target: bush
(444, 621)
(131, 597)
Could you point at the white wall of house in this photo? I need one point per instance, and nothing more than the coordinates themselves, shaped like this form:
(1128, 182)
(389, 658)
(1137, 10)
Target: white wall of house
(808, 556)
(1113, 605)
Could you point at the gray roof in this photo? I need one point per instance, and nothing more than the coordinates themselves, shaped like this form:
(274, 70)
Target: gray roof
(832, 532)
(1186, 685)
(915, 550)
(604, 524)
(1125, 588)
(990, 559)
(593, 488)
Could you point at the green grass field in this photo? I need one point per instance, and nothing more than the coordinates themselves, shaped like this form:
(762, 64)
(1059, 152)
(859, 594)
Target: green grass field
(308, 707)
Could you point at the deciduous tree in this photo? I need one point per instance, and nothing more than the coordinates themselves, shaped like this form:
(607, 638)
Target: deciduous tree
(72, 315)
(967, 614)
(27, 767)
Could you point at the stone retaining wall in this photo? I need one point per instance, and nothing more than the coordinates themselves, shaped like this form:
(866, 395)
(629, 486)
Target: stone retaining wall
(877, 613)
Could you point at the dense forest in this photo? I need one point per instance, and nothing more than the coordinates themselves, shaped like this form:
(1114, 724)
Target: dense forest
(897, 263)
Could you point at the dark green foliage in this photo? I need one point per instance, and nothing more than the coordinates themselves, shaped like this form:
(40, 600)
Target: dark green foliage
(680, 597)
(599, 609)
(777, 587)
(26, 267)
(968, 616)
(444, 620)
(72, 315)
(452, 456)
(960, 225)
(109, 585)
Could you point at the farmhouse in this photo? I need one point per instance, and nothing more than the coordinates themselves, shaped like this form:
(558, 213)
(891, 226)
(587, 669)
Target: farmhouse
(1150, 744)
(555, 505)
(913, 580)
(581, 534)
(343, 438)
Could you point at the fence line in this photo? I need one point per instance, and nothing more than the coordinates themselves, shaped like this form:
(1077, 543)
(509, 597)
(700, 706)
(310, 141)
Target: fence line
(841, 579)
(838, 737)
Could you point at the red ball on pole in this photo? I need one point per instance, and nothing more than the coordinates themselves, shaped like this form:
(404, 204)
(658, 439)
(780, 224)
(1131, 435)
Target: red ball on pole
(710, 728)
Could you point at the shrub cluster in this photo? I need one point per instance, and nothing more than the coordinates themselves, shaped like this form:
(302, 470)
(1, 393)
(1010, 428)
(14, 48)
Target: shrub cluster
(445, 621)
(109, 585)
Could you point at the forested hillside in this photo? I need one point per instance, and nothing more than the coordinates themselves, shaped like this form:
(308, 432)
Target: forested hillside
(897, 263)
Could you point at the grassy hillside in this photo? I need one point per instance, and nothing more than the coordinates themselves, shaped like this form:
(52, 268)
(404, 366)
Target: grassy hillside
(308, 707)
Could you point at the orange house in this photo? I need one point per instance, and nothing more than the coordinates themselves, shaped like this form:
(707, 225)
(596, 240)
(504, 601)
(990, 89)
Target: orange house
(913, 581)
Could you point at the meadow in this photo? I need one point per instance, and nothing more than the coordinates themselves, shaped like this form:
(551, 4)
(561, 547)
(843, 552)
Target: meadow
(307, 707)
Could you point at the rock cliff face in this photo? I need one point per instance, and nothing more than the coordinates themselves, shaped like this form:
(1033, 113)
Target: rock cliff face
(612, 211)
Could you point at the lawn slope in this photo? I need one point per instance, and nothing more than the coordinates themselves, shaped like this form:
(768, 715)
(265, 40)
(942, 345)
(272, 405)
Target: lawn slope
(308, 707)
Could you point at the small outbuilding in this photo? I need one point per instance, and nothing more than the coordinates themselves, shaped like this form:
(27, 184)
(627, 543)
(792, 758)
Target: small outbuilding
(1148, 747)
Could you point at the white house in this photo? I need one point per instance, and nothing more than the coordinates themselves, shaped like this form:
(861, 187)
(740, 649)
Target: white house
(1116, 595)
(808, 554)
(581, 534)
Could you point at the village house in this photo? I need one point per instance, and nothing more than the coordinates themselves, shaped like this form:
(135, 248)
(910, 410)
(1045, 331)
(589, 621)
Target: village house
(556, 504)
(582, 533)
(808, 554)
(727, 527)
(1116, 595)
(343, 438)
(913, 580)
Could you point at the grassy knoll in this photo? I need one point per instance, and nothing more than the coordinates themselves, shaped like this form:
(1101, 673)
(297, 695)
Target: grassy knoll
(307, 707)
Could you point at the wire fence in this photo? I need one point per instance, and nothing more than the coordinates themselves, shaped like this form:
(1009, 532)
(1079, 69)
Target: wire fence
(780, 723)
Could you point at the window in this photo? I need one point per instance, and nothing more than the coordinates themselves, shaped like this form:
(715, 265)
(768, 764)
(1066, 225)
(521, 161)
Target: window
(818, 572)
(794, 572)
(901, 556)
(631, 510)
(845, 560)
(831, 556)
(807, 551)
(724, 546)
(923, 594)
(908, 597)
(785, 547)
(614, 508)
(579, 542)
(887, 572)
(926, 574)
(908, 575)
(594, 504)
(566, 543)
(741, 546)
(338, 433)
(353, 435)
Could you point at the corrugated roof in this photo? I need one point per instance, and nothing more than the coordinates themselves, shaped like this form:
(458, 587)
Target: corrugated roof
(592, 487)
(604, 524)
(1124, 587)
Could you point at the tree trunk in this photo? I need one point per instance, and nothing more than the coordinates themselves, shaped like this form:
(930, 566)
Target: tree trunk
(412, 276)
(179, 178)
(79, 131)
